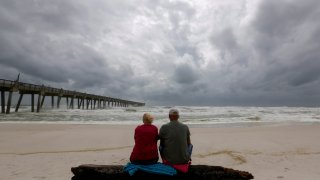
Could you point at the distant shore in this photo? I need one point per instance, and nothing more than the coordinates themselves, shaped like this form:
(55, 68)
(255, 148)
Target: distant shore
(48, 151)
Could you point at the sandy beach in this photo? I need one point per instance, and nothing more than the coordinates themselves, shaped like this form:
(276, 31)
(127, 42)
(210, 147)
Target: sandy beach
(48, 151)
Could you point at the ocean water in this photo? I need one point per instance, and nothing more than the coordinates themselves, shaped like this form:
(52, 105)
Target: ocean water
(202, 116)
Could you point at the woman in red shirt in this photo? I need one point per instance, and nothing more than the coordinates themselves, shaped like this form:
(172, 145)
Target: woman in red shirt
(145, 137)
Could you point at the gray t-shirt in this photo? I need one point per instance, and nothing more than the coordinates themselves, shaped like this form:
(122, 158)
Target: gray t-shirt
(173, 137)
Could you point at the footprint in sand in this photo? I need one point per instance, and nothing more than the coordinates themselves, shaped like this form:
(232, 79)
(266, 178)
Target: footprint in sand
(235, 156)
(286, 169)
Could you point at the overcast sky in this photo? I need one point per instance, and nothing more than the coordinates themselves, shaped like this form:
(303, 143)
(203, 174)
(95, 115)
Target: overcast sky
(192, 52)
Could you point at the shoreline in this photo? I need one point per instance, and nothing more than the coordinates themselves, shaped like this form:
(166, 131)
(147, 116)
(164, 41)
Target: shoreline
(48, 151)
(191, 125)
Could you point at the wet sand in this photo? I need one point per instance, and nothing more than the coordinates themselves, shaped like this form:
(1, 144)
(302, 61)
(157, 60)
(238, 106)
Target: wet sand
(48, 151)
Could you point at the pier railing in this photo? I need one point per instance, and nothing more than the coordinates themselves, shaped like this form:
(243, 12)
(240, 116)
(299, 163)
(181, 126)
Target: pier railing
(85, 101)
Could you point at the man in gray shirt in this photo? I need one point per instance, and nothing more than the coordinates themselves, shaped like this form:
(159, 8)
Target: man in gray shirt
(175, 145)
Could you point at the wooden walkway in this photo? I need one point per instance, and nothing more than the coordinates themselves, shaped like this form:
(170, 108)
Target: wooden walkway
(84, 101)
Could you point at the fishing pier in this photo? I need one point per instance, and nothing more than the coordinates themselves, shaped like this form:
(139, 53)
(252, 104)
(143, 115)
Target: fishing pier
(84, 100)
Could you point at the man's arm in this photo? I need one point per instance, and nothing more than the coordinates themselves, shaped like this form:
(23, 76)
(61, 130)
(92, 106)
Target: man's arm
(188, 140)
(188, 136)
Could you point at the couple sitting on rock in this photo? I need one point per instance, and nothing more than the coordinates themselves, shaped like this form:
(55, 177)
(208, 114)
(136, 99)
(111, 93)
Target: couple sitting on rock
(175, 145)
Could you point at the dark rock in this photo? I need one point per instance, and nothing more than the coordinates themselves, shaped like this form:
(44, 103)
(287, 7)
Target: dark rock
(196, 172)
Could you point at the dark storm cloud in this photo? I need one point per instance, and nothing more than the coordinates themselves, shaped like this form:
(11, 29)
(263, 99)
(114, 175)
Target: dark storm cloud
(46, 42)
(287, 36)
(184, 74)
(226, 42)
(273, 59)
(167, 52)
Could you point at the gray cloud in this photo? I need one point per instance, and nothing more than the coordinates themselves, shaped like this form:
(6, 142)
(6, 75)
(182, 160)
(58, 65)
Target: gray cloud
(184, 74)
(167, 52)
(290, 48)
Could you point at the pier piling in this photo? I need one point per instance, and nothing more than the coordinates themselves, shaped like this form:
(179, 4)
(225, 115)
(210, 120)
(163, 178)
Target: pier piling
(3, 101)
(19, 102)
(67, 99)
(42, 101)
(52, 101)
(58, 101)
(9, 102)
(32, 102)
(72, 102)
(39, 102)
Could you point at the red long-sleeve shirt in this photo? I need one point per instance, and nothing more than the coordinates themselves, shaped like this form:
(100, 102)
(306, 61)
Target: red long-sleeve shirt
(145, 148)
